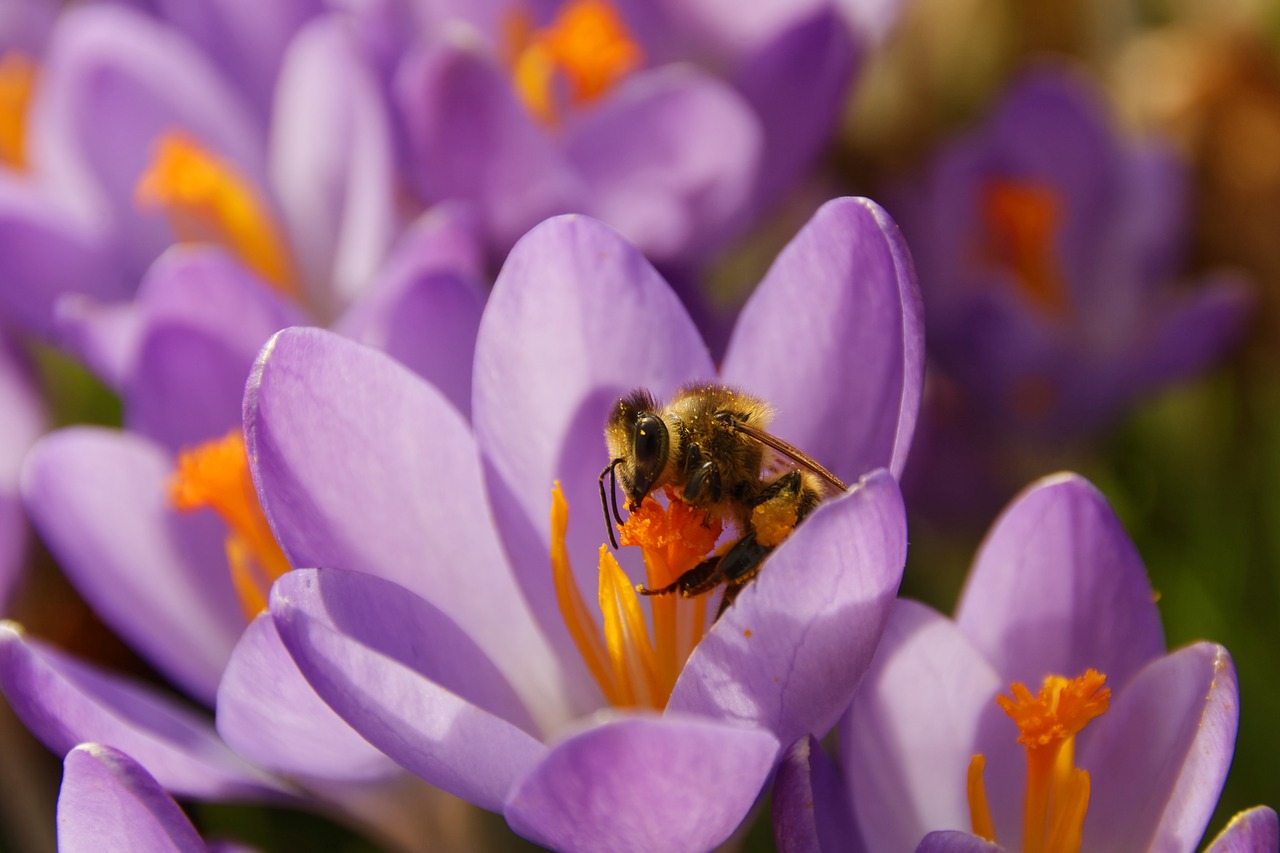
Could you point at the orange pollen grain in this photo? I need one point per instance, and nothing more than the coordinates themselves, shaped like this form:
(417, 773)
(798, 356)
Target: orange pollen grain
(1022, 221)
(1057, 794)
(17, 82)
(215, 475)
(587, 49)
(207, 200)
(633, 666)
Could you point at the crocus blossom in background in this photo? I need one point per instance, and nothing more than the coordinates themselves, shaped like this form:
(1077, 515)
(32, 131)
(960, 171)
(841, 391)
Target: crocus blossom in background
(1118, 743)
(435, 624)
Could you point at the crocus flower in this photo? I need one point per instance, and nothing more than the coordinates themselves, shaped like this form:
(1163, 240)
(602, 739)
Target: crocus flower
(1047, 247)
(674, 122)
(1114, 743)
(23, 421)
(436, 625)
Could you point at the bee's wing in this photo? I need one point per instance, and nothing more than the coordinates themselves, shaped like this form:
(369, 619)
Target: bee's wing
(793, 454)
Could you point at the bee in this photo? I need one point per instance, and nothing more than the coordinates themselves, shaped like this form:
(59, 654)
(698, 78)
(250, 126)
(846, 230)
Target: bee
(709, 446)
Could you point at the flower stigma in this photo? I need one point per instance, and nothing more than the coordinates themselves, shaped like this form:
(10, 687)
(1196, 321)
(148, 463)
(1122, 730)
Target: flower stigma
(1057, 795)
(215, 475)
(632, 668)
(207, 200)
(1022, 220)
(582, 55)
(17, 81)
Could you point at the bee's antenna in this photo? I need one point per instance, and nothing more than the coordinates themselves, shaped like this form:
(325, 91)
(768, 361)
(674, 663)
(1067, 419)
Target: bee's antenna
(604, 501)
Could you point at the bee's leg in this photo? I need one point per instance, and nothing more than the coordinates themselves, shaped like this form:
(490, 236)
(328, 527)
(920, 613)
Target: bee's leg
(701, 578)
(739, 566)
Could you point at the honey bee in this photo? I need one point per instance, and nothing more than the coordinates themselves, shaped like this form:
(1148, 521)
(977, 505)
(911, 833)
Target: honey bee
(709, 446)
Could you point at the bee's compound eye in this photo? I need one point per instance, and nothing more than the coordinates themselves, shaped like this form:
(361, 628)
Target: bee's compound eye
(650, 439)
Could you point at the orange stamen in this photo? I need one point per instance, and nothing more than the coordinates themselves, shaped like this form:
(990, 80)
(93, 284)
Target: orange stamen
(1057, 796)
(979, 808)
(17, 81)
(207, 200)
(1022, 222)
(587, 48)
(216, 475)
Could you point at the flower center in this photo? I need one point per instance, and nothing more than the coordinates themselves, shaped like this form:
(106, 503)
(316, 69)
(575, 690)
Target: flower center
(1022, 220)
(216, 475)
(582, 55)
(631, 668)
(1057, 791)
(207, 200)
(17, 80)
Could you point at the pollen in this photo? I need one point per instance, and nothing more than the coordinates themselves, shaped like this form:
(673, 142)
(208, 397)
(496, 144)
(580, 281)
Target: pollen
(587, 50)
(215, 475)
(1022, 220)
(207, 200)
(773, 521)
(1059, 711)
(17, 81)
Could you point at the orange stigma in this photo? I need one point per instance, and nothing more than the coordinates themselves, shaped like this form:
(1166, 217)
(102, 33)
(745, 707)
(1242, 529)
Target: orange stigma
(17, 81)
(1022, 220)
(207, 200)
(632, 669)
(216, 475)
(1057, 795)
(586, 49)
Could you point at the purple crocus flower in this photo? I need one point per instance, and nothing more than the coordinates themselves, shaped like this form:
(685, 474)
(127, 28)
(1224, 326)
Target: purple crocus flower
(1047, 248)
(1057, 596)
(433, 625)
(23, 421)
(676, 123)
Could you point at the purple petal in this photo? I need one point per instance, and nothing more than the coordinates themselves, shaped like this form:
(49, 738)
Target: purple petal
(157, 577)
(113, 82)
(23, 422)
(789, 653)
(915, 723)
(471, 139)
(102, 335)
(810, 804)
(268, 713)
(732, 30)
(643, 783)
(247, 41)
(203, 318)
(1058, 588)
(424, 308)
(332, 164)
(952, 841)
(1159, 756)
(1255, 830)
(408, 679)
(577, 318)
(46, 252)
(65, 702)
(382, 476)
(669, 158)
(110, 802)
(841, 307)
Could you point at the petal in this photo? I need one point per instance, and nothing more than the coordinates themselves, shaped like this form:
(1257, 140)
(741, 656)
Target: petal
(471, 139)
(65, 702)
(840, 307)
(810, 803)
(203, 319)
(332, 164)
(424, 308)
(951, 841)
(99, 500)
(268, 713)
(1251, 831)
(1057, 588)
(112, 83)
(669, 158)
(577, 318)
(24, 420)
(920, 715)
(408, 679)
(643, 784)
(109, 801)
(382, 475)
(1160, 755)
(789, 653)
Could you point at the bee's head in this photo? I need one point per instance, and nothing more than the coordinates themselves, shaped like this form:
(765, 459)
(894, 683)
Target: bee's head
(638, 443)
